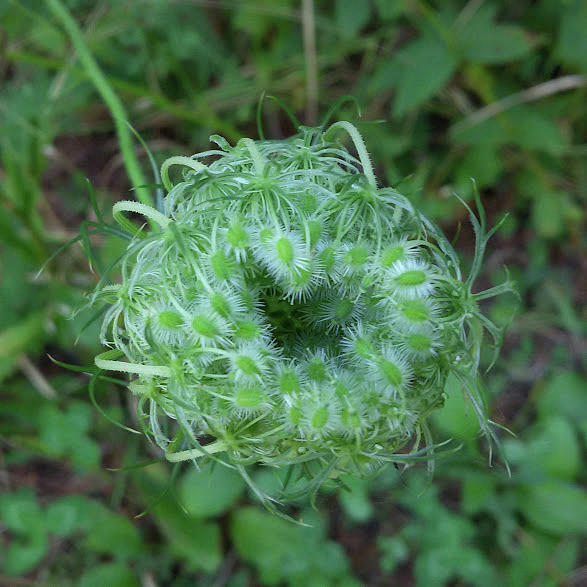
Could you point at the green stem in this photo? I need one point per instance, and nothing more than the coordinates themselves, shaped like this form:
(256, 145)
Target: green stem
(114, 104)
(194, 453)
(359, 145)
(178, 160)
(258, 160)
(147, 211)
(103, 362)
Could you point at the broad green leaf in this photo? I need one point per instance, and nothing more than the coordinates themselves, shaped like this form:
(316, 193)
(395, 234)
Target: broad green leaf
(394, 551)
(194, 541)
(523, 126)
(64, 434)
(491, 132)
(24, 554)
(351, 16)
(531, 129)
(457, 418)
(68, 514)
(210, 491)
(547, 214)
(558, 508)
(355, 501)
(440, 565)
(572, 40)
(114, 574)
(21, 515)
(488, 42)
(417, 72)
(390, 9)
(476, 494)
(114, 534)
(197, 543)
(564, 394)
(23, 336)
(483, 164)
(555, 448)
(20, 512)
(528, 567)
(285, 552)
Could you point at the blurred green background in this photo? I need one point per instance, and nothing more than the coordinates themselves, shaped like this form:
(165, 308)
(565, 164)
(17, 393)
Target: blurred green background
(449, 90)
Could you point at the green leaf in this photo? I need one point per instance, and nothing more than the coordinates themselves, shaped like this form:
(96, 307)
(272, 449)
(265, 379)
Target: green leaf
(114, 534)
(22, 555)
(25, 336)
(116, 574)
(485, 41)
(547, 214)
(417, 71)
(441, 564)
(283, 551)
(457, 418)
(523, 126)
(529, 128)
(351, 16)
(20, 512)
(210, 491)
(68, 514)
(557, 508)
(564, 394)
(528, 567)
(389, 10)
(194, 541)
(355, 501)
(394, 551)
(483, 163)
(572, 40)
(64, 434)
(476, 494)
(555, 448)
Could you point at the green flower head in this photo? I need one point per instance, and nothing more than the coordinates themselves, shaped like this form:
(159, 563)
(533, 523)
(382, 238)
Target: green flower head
(291, 312)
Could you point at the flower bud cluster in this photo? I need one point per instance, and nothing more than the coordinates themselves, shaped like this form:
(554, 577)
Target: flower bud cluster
(295, 312)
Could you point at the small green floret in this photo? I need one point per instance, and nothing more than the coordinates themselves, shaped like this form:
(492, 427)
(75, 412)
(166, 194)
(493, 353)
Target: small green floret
(247, 365)
(320, 418)
(419, 342)
(411, 278)
(289, 382)
(205, 326)
(170, 319)
(250, 397)
(392, 373)
(285, 251)
(317, 370)
(415, 311)
(391, 255)
(247, 330)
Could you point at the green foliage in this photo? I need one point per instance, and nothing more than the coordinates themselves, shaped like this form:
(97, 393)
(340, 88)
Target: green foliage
(444, 540)
(63, 434)
(482, 40)
(109, 574)
(284, 552)
(211, 491)
(487, 90)
(20, 514)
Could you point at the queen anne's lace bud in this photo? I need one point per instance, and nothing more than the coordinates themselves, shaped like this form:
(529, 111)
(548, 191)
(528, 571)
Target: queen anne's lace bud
(290, 312)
